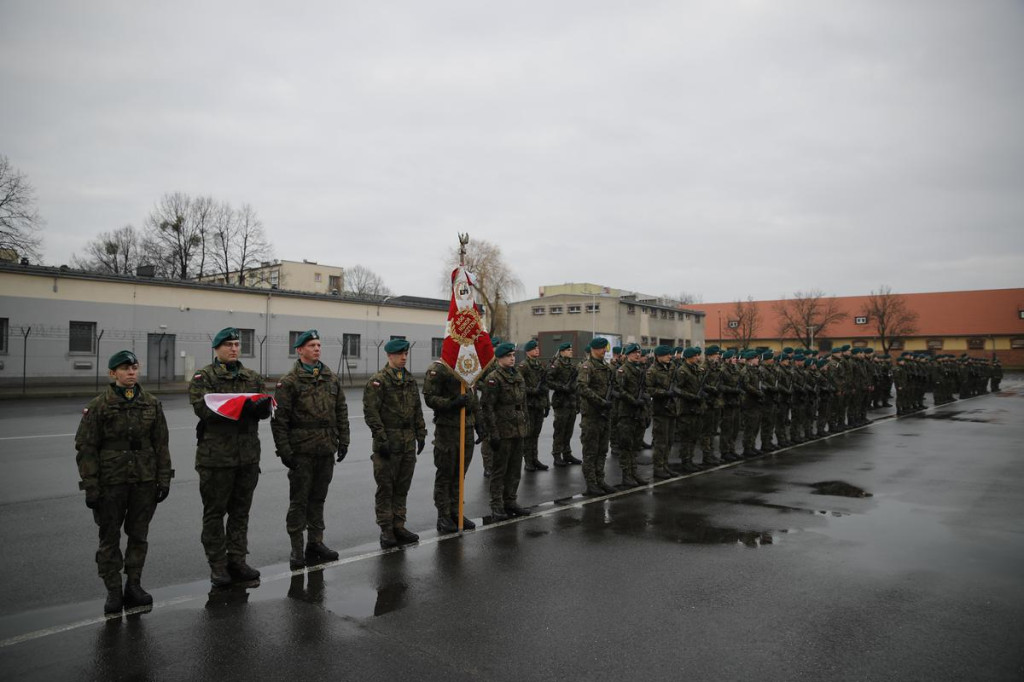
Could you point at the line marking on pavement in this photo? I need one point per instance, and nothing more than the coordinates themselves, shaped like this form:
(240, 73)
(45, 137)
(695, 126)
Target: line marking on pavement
(543, 509)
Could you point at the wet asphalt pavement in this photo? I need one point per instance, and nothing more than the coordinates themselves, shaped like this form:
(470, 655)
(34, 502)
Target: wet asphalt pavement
(891, 552)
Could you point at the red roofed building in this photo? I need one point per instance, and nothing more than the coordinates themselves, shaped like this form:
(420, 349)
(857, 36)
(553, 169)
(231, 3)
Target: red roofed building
(987, 323)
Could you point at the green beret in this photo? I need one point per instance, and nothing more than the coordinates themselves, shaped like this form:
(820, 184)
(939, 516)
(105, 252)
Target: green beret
(630, 348)
(598, 342)
(677, 349)
(767, 355)
(495, 341)
(396, 346)
(226, 334)
(822, 362)
(661, 351)
(564, 346)
(530, 345)
(122, 357)
(616, 349)
(712, 350)
(845, 347)
(691, 352)
(885, 356)
(728, 354)
(868, 350)
(504, 349)
(306, 336)
(787, 349)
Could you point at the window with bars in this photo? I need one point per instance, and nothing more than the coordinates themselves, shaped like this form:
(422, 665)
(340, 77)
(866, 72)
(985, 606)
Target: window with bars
(82, 337)
(248, 341)
(351, 345)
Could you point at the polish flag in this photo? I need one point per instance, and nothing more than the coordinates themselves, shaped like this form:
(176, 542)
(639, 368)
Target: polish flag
(229, 405)
(467, 347)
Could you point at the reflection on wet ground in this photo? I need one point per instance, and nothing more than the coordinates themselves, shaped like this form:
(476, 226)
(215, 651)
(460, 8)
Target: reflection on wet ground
(839, 489)
(697, 529)
(949, 415)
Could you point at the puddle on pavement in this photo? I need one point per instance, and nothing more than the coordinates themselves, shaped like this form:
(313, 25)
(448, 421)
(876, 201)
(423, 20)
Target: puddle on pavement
(695, 529)
(958, 417)
(838, 489)
(366, 602)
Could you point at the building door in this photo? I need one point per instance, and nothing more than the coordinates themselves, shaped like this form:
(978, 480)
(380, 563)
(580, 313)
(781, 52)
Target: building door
(159, 359)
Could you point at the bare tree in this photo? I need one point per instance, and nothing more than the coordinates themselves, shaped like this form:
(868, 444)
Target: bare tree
(807, 315)
(364, 282)
(496, 283)
(115, 253)
(251, 246)
(174, 236)
(20, 223)
(891, 315)
(745, 322)
(222, 237)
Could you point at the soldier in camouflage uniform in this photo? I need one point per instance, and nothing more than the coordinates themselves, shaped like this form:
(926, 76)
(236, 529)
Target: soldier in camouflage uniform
(445, 394)
(309, 427)
(228, 458)
(596, 387)
(715, 402)
(565, 403)
(125, 467)
(754, 399)
(690, 395)
(901, 378)
(485, 447)
(769, 408)
(538, 405)
(503, 405)
(731, 398)
(784, 400)
(392, 410)
(632, 403)
(663, 399)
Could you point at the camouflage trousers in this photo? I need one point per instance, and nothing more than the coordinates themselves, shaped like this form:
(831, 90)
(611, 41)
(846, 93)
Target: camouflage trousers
(630, 437)
(227, 490)
(534, 424)
(824, 410)
(506, 472)
(782, 422)
(836, 413)
(751, 418)
(394, 477)
(688, 428)
(661, 439)
(307, 491)
(709, 429)
(131, 505)
(446, 463)
(565, 423)
(594, 434)
(730, 430)
(767, 423)
(487, 455)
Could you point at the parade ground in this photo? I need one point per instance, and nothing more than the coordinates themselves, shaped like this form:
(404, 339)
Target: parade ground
(890, 552)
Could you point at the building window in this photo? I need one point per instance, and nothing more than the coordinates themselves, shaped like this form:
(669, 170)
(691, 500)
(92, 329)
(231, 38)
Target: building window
(860, 343)
(247, 337)
(664, 314)
(1017, 342)
(697, 320)
(318, 277)
(435, 347)
(671, 314)
(396, 336)
(334, 283)
(82, 337)
(631, 310)
(592, 308)
(574, 309)
(860, 319)
(275, 278)
(976, 344)
(351, 345)
(1020, 314)
(896, 344)
(292, 338)
(686, 342)
(555, 310)
(538, 310)
(733, 324)
(4, 332)
(825, 344)
(934, 344)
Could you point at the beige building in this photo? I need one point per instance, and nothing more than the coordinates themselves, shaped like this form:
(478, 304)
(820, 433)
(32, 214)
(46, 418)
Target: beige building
(579, 312)
(308, 276)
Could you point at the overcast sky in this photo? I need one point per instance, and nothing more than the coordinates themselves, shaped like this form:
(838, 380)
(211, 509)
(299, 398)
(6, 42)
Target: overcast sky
(720, 148)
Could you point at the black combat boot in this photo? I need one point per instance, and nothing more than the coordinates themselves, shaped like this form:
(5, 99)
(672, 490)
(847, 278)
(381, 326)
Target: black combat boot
(115, 599)
(559, 462)
(445, 524)
(405, 537)
(661, 474)
(569, 459)
(606, 487)
(499, 514)
(219, 575)
(297, 559)
(318, 551)
(467, 523)
(387, 538)
(514, 509)
(134, 595)
(529, 466)
(539, 465)
(242, 572)
(593, 490)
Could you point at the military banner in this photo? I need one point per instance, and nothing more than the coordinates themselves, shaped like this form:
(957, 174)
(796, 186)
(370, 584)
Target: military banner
(467, 347)
(229, 405)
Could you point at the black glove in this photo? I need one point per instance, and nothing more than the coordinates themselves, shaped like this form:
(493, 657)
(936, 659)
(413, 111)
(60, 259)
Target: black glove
(547, 411)
(342, 451)
(481, 435)
(383, 451)
(261, 407)
(162, 491)
(288, 461)
(460, 401)
(494, 442)
(420, 444)
(92, 497)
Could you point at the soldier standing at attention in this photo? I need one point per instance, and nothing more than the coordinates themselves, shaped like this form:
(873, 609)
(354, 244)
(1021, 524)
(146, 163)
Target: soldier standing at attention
(485, 447)
(309, 427)
(504, 410)
(595, 384)
(392, 410)
(442, 391)
(691, 407)
(565, 402)
(731, 397)
(754, 397)
(714, 403)
(227, 458)
(537, 404)
(125, 466)
(659, 386)
(632, 405)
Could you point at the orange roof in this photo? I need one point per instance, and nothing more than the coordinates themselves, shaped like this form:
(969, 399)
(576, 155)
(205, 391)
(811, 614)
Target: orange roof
(950, 313)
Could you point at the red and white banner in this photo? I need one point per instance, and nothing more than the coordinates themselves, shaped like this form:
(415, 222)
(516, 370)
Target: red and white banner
(467, 347)
(229, 405)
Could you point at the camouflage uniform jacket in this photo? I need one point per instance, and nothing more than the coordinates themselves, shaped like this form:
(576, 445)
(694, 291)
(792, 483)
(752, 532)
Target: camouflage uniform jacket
(688, 380)
(632, 398)
(595, 384)
(223, 442)
(562, 380)
(659, 384)
(730, 387)
(504, 404)
(713, 384)
(123, 441)
(312, 415)
(535, 375)
(392, 410)
(440, 388)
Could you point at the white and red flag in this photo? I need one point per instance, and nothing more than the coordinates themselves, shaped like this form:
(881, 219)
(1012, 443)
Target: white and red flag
(467, 347)
(229, 405)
